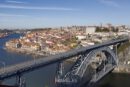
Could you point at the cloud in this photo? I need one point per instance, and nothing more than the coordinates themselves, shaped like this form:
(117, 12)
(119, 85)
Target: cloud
(109, 3)
(36, 8)
(10, 15)
(16, 2)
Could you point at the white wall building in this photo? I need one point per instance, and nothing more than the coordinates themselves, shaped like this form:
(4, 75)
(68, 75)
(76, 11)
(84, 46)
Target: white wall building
(81, 37)
(90, 29)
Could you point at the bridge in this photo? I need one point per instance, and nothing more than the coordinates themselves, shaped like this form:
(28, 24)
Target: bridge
(90, 63)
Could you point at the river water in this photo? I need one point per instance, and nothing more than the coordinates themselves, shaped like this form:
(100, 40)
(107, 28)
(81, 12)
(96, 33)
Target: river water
(44, 77)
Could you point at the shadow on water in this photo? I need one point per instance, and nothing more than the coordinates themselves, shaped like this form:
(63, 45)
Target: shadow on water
(115, 80)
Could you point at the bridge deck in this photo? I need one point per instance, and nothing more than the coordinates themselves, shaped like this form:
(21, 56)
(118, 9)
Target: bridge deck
(32, 65)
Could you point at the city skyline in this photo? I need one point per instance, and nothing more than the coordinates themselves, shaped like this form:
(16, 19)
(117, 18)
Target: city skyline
(53, 13)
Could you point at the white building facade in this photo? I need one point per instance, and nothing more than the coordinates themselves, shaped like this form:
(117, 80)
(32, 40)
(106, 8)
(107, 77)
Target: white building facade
(90, 30)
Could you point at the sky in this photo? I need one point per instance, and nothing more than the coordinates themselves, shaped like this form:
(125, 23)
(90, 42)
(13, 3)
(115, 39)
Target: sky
(53, 13)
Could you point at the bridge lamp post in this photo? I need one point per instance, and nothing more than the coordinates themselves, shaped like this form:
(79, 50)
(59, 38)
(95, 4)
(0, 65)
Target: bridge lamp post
(3, 63)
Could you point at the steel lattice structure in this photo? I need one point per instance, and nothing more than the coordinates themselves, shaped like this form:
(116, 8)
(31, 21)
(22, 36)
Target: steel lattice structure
(74, 77)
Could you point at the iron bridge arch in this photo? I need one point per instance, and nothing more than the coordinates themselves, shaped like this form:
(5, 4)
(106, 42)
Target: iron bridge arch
(89, 68)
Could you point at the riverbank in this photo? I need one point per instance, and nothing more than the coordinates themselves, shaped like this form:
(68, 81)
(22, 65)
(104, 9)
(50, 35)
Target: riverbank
(3, 35)
(122, 69)
(36, 54)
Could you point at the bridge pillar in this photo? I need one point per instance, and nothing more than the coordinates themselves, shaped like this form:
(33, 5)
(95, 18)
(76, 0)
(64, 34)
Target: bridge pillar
(59, 71)
(115, 49)
(20, 82)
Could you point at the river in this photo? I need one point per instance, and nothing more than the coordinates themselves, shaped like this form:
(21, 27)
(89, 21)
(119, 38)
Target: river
(44, 77)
